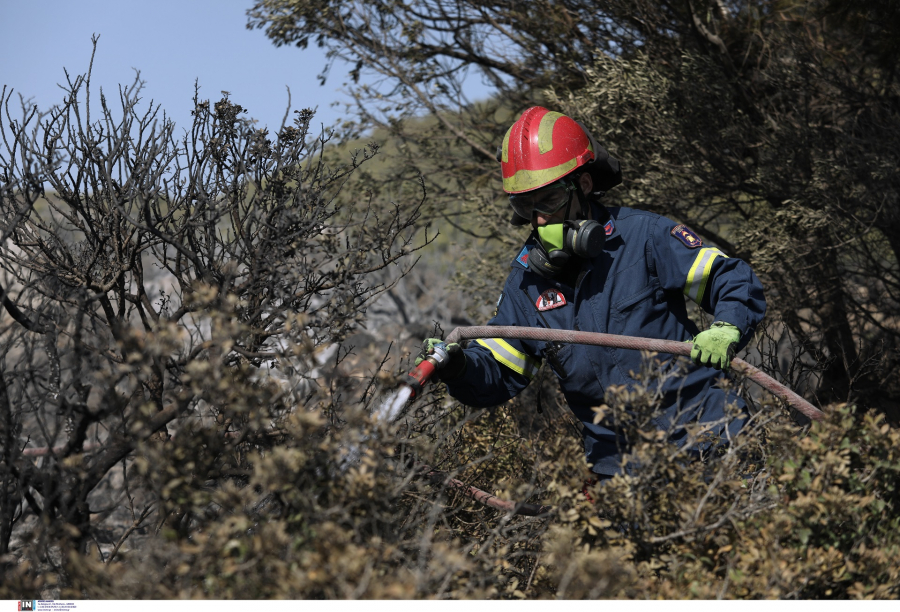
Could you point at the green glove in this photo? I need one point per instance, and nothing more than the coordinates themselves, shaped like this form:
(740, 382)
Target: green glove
(456, 365)
(715, 347)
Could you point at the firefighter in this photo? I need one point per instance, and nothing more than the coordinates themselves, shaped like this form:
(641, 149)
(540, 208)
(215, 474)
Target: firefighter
(586, 267)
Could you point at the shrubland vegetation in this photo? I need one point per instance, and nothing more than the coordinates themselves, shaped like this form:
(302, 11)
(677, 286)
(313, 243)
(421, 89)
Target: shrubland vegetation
(200, 323)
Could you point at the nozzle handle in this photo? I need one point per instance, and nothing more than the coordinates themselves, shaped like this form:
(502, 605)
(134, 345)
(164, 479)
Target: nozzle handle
(417, 378)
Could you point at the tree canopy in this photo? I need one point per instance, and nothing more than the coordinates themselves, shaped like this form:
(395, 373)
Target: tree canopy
(772, 127)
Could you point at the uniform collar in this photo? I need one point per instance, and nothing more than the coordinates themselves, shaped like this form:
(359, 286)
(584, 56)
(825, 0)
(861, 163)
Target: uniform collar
(602, 215)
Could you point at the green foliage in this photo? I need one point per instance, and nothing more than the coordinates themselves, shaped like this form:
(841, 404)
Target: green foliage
(293, 507)
(215, 436)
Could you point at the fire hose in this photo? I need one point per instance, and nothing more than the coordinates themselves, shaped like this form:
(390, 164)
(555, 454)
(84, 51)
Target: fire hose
(428, 366)
(640, 344)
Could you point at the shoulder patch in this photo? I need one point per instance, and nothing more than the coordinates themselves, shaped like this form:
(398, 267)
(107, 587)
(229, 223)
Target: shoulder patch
(550, 299)
(522, 259)
(687, 236)
(609, 228)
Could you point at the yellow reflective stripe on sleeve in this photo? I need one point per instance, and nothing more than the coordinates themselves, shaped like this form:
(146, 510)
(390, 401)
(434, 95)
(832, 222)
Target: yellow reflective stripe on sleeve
(695, 285)
(516, 361)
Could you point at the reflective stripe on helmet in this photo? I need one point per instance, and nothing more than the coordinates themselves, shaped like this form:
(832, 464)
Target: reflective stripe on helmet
(504, 156)
(515, 360)
(695, 285)
(526, 180)
(545, 131)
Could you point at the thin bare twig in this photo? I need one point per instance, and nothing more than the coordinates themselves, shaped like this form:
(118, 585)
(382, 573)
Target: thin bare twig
(134, 525)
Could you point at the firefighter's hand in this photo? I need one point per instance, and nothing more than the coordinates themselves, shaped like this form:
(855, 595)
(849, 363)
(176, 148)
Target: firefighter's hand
(715, 347)
(456, 359)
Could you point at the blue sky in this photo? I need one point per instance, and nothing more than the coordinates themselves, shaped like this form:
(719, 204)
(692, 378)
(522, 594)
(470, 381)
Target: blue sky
(173, 43)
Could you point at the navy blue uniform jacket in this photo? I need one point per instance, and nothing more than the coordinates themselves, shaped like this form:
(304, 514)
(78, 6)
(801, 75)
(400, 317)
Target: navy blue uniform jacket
(636, 287)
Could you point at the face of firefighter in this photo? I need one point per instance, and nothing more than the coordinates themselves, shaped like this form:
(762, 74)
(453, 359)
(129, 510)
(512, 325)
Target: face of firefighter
(539, 219)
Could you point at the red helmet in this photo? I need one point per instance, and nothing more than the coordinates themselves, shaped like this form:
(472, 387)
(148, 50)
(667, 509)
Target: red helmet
(541, 147)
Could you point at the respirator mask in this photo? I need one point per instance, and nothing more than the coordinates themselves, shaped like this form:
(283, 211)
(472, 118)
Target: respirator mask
(559, 242)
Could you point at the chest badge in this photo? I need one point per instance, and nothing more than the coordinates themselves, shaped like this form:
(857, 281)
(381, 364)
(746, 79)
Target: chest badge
(687, 236)
(550, 299)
